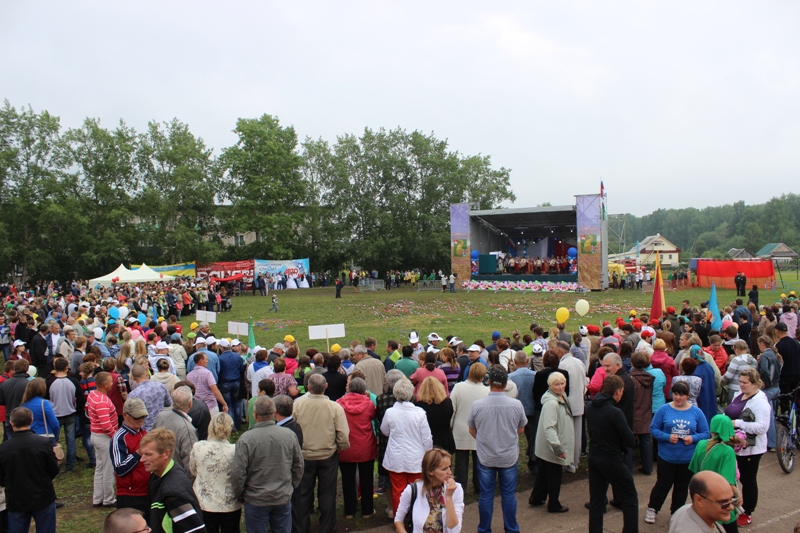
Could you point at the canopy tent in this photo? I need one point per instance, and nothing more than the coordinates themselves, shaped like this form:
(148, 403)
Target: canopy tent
(142, 274)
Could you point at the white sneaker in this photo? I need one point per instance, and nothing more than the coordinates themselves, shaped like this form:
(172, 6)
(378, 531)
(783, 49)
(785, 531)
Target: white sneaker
(390, 513)
(650, 516)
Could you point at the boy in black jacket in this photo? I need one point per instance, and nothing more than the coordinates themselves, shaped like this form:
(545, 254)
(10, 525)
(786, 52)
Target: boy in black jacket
(609, 436)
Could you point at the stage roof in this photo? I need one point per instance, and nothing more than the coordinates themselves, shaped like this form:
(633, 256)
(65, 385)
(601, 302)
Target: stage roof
(530, 223)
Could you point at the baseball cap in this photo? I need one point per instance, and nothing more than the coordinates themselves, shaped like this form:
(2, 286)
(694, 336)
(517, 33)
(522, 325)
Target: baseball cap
(279, 346)
(670, 310)
(135, 407)
(161, 345)
(781, 326)
(455, 341)
(593, 329)
(224, 343)
(497, 374)
(432, 349)
(434, 337)
(335, 348)
(583, 330)
(18, 343)
(288, 338)
(413, 337)
(647, 333)
(199, 340)
(132, 319)
(235, 342)
(537, 348)
(495, 335)
(211, 340)
(474, 348)
(194, 325)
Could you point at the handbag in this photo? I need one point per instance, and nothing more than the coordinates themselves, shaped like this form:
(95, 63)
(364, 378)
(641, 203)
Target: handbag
(57, 449)
(408, 521)
(748, 416)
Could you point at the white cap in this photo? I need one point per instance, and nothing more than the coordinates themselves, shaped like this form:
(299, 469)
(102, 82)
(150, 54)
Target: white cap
(474, 348)
(224, 343)
(413, 337)
(583, 330)
(132, 319)
(433, 349)
(18, 343)
(537, 348)
(434, 337)
(235, 342)
(199, 340)
(455, 341)
(279, 346)
(211, 340)
(161, 345)
(257, 348)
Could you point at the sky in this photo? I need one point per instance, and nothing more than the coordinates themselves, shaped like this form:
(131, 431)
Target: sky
(671, 104)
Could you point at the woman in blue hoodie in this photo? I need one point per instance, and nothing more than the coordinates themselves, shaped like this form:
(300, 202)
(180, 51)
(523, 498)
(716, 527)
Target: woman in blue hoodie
(677, 426)
(42, 410)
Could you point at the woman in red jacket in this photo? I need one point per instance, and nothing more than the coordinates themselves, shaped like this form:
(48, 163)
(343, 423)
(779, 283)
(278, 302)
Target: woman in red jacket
(360, 412)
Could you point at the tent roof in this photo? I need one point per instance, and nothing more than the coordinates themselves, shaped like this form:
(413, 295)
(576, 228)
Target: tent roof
(141, 275)
(152, 275)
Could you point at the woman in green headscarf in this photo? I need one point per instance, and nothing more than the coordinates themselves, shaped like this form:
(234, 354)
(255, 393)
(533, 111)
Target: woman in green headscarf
(717, 454)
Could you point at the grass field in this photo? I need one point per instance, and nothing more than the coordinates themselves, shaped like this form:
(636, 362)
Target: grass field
(388, 315)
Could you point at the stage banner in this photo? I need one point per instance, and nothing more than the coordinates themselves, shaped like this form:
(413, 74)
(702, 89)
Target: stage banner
(181, 269)
(590, 234)
(289, 267)
(459, 242)
(228, 269)
(761, 273)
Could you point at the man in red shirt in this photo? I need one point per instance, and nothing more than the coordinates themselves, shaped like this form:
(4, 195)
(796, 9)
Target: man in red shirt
(129, 471)
(103, 425)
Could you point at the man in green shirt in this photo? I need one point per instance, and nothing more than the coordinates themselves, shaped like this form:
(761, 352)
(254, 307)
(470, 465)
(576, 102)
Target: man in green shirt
(407, 365)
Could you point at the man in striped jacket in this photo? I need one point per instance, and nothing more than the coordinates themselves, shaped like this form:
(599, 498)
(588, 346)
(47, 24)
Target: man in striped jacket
(103, 425)
(129, 471)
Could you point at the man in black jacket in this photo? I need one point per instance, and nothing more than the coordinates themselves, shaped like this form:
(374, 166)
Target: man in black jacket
(609, 439)
(612, 363)
(39, 350)
(27, 469)
(283, 417)
(12, 389)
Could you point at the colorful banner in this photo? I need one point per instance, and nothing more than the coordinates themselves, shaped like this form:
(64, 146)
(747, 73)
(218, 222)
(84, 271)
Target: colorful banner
(590, 236)
(289, 267)
(181, 269)
(228, 269)
(459, 241)
(722, 272)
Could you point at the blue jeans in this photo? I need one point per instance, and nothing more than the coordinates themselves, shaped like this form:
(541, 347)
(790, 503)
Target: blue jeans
(6, 350)
(771, 393)
(45, 519)
(261, 519)
(487, 477)
(68, 423)
(230, 393)
(86, 434)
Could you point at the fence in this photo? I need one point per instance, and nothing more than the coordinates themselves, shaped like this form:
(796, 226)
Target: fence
(429, 285)
(371, 285)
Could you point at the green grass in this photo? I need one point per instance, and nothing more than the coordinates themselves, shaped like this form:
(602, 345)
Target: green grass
(389, 315)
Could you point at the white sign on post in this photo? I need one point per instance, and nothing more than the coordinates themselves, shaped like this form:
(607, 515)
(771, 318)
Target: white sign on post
(206, 316)
(238, 328)
(326, 331)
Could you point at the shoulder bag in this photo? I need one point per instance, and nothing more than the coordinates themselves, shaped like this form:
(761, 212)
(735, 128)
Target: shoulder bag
(408, 521)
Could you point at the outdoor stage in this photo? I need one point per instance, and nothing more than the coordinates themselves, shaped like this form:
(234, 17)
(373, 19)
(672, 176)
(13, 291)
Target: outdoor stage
(553, 278)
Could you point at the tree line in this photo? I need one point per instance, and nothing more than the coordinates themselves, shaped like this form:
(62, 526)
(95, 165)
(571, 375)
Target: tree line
(76, 202)
(713, 231)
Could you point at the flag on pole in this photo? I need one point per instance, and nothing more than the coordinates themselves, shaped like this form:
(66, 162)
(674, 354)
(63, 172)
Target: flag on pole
(251, 337)
(659, 302)
(713, 308)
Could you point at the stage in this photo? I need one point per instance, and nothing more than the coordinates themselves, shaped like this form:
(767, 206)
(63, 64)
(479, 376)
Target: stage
(542, 278)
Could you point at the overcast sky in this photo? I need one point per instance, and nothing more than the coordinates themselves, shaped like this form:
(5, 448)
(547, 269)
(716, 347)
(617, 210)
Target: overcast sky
(672, 104)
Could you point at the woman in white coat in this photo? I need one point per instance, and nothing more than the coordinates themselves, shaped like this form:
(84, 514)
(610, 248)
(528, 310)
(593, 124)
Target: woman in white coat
(463, 395)
(410, 437)
(439, 504)
(750, 411)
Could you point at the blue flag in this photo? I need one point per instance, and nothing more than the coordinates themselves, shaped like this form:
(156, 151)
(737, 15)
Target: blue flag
(713, 307)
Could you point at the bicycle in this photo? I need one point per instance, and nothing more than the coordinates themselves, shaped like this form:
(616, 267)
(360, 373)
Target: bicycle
(787, 436)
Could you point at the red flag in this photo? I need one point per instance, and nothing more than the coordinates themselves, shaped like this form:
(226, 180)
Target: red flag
(659, 302)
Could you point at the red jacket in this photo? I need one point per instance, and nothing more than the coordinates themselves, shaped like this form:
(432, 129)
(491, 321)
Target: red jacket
(129, 471)
(360, 412)
(664, 361)
(720, 357)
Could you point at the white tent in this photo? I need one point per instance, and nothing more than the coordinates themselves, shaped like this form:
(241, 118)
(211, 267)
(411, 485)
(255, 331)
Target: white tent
(142, 274)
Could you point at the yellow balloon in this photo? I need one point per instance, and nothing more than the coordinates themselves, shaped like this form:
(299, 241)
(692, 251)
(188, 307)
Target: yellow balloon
(582, 307)
(562, 315)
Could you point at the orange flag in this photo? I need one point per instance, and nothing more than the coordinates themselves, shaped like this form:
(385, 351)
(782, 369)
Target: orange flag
(659, 302)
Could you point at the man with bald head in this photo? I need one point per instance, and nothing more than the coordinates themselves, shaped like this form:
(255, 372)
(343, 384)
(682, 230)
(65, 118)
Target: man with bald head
(712, 501)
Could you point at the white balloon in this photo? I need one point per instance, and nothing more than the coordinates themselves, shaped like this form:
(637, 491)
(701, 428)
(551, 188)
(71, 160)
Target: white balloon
(98, 333)
(123, 312)
(582, 307)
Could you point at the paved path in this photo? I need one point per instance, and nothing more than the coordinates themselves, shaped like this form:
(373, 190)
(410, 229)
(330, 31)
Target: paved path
(778, 507)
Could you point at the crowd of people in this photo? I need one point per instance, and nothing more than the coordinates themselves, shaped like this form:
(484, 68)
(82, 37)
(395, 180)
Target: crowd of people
(155, 405)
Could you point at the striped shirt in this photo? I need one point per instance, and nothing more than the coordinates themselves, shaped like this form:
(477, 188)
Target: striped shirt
(102, 414)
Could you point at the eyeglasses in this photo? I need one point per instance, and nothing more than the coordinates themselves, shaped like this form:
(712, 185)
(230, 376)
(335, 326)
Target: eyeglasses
(727, 504)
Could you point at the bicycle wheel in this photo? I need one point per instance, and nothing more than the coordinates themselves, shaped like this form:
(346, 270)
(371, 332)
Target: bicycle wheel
(785, 450)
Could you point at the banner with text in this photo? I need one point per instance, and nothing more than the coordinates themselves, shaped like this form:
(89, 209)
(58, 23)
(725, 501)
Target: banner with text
(289, 267)
(181, 269)
(227, 269)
